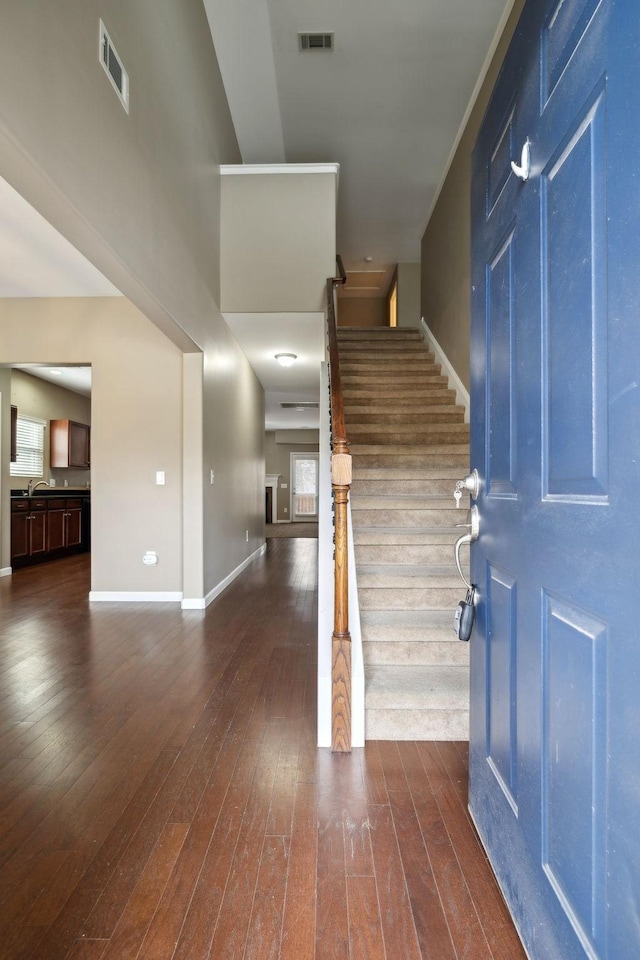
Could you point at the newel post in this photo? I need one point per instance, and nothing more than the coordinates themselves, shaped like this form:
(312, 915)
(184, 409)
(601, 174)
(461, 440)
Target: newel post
(341, 639)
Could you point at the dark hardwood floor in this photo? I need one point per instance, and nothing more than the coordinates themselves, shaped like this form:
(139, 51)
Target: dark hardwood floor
(162, 797)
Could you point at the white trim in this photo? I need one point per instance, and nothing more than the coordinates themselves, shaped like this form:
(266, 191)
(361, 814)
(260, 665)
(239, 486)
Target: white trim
(326, 585)
(5, 571)
(462, 394)
(199, 603)
(247, 169)
(135, 596)
(472, 102)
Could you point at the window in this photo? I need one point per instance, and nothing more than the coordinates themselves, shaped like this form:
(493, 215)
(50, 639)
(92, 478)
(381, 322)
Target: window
(29, 448)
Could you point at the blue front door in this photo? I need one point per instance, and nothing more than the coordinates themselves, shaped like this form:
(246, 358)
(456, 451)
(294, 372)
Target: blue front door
(555, 698)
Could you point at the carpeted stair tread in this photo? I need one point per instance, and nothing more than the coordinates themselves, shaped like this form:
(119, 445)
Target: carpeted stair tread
(383, 486)
(381, 536)
(435, 688)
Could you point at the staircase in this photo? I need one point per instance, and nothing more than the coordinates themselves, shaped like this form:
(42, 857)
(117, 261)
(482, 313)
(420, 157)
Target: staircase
(409, 444)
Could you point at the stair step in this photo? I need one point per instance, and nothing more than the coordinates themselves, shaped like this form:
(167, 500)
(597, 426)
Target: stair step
(386, 363)
(404, 421)
(404, 653)
(381, 535)
(438, 432)
(391, 333)
(400, 405)
(417, 703)
(352, 350)
(408, 501)
(446, 597)
(408, 575)
(387, 487)
(405, 379)
(373, 456)
(375, 390)
(441, 472)
(428, 626)
(390, 553)
(389, 365)
(436, 688)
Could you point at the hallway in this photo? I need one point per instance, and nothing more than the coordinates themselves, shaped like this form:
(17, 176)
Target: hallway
(162, 796)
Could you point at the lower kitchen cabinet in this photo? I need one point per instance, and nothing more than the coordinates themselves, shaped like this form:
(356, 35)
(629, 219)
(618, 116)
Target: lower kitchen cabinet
(28, 530)
(64, 524)
(47, 528)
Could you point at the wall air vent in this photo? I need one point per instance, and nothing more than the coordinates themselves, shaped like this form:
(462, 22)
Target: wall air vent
(315, 41)
(301, 405)
(113, 67)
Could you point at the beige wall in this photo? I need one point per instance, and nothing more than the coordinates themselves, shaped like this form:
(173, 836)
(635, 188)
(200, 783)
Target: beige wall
(362, 311)
(139, 195)
(278, 461)
(446, 245)
(408, 278)
(278, 241)
(136, 428)
(35, 397)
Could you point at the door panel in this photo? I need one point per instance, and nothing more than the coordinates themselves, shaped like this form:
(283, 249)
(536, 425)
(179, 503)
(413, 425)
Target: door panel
(555, 355)
(574, 354)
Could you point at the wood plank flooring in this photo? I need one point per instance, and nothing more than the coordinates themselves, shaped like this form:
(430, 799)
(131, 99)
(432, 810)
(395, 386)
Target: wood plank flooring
(162, 798)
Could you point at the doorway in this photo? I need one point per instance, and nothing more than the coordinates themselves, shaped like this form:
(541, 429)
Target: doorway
(304, 487)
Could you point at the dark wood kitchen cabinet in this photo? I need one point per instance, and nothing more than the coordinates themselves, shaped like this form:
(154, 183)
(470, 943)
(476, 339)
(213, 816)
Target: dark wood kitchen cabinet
(28, 530)
(48, 528)
(69, 444)
(64, 524)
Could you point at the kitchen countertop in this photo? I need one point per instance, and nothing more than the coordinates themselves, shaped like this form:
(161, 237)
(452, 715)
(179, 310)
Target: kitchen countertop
(57, 492)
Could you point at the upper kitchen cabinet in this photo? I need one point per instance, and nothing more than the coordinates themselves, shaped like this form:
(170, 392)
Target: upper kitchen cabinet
(69, 442)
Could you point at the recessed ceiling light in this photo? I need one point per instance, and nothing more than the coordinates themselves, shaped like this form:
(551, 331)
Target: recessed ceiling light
(56, 373)
(286, 359)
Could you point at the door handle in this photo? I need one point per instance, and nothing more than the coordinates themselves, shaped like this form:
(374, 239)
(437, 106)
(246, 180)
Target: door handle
(523, 169)
(474, 529)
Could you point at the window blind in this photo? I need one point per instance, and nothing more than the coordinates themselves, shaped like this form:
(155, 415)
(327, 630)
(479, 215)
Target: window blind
(29, 448)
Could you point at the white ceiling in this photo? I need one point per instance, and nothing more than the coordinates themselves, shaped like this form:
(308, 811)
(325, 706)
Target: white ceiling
(261, 336)
(387, 103)
(75, 378)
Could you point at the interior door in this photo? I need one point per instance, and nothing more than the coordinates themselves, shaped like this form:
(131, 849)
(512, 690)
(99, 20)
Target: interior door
(555, 688)
(304, 486)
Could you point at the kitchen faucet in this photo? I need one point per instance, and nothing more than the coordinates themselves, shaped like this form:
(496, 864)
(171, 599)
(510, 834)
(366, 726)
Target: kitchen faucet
(31, 486)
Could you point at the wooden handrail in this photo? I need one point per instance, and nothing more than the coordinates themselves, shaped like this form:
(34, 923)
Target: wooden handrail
(340, 484)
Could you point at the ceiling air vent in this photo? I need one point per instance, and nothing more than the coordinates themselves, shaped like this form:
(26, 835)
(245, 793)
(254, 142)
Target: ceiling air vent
(113, 67)
(315, 41)
(301, 405)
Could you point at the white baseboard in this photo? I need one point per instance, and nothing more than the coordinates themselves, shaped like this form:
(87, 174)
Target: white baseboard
(199, 603)
(135, 596)
(462, 394)
(6, 572)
